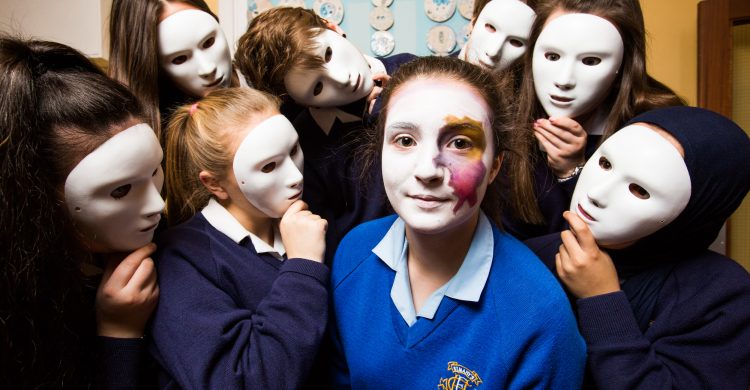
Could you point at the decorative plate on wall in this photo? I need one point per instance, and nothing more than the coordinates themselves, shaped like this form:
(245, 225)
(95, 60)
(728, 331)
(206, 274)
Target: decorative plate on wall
(382, 43)
(381, 18)
(466, 8)
(386, 3)
(441, 40)
(292, 3)
(332, 10)
(439, 10)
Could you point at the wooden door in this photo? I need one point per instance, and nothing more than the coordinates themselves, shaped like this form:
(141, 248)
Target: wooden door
(724, 87)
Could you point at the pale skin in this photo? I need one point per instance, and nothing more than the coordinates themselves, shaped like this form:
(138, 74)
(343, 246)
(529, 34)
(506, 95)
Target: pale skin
(584, 268)
(127, 294)
(564, 140)
(302, 232)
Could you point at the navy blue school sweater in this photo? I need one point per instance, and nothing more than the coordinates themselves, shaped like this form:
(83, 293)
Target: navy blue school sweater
(521, 333)
(695, 335)
(229, 318)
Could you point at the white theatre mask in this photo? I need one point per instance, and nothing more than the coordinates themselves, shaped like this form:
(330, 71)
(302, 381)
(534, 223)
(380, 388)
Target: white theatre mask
(268, 166)
(635, 184)
(194, 53)
(113, 194)
(438, 153)
(575, 60)
(344, 78)
(500, 35)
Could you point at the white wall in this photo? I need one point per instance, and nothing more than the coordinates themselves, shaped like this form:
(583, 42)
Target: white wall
(81, 24)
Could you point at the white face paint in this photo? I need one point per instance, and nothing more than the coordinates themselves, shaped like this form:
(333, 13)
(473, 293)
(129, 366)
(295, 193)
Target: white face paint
(576, 58)
(634, 184)
(437, 153)
(268, 166)
(113, 194)
(194, 52)
(344, 78)
(500, 34)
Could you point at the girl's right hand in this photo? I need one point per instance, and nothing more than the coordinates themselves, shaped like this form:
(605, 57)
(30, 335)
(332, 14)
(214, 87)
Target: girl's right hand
(303, 233)
(127, 294)
(564, 140)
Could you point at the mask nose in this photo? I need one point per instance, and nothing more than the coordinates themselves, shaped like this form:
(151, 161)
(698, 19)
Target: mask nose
(154, 202)
(599, 194)
(565, 79)
(494, 48)
(206, 67)
(293, 175)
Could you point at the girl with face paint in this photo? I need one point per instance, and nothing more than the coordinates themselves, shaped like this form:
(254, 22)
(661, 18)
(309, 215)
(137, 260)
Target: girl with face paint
(296, 55)
(80, 183)
(584, 77)
(245, 260)
(168, 52)
(656, 307)
(439, 280)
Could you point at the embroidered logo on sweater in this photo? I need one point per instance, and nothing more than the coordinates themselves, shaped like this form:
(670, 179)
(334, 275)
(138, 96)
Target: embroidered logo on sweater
(463, 378)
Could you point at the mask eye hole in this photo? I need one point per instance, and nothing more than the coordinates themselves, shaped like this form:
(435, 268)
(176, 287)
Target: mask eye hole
(551, 56)
(209, 42)
(155, 171)
(489, 28)
(318, 89)
(604, 163)
(120, 191)
(294, 150)
(638, 191)
(328, 55)
(268, 167)
(516, 42)
(591, 61)
(179, 60)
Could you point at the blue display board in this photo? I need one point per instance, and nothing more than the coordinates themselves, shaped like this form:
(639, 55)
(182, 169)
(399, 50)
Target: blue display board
(409, 30)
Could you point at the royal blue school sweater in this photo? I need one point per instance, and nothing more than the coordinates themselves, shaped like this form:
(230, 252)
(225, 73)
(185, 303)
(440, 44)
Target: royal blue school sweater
(520, 334)
(229, 318)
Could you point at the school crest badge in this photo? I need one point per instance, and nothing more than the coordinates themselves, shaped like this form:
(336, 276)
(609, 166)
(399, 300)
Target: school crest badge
(463, 378)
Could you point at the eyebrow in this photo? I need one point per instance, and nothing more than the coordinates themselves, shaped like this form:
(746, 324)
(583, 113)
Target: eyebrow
(402, 126)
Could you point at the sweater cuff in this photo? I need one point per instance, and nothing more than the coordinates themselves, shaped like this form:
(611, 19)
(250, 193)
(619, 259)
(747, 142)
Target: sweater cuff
(119, 361)
(315, 269)
(607, 318)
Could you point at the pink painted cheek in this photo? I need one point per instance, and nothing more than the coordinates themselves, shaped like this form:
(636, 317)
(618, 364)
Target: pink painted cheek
(465, 177)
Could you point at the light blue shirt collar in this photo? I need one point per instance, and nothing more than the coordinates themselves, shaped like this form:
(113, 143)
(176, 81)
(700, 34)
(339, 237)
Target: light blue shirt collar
(466, 285)
(223, 221)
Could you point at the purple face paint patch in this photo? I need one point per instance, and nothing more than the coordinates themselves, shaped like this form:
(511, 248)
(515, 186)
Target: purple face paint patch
(466, 167)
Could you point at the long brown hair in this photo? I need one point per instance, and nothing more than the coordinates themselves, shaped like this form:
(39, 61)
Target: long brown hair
(496, 92)
(633, 91)
(276, 41)
(134, 53)
(56, 107)
(198, 136)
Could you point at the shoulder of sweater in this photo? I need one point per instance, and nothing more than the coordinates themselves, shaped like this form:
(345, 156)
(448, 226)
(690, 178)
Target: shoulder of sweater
(191, 242)
(709, 276)
(357, 246)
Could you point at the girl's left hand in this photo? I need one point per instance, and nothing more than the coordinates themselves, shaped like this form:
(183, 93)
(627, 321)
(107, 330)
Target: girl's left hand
(584, 268)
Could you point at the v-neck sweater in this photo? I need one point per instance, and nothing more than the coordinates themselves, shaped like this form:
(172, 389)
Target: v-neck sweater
(520, 334)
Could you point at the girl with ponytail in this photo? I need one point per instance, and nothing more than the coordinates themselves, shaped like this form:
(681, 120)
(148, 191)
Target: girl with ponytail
(245, 259)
